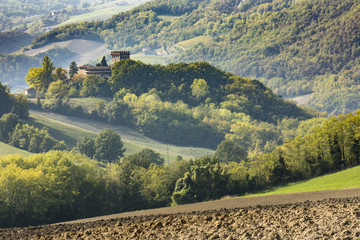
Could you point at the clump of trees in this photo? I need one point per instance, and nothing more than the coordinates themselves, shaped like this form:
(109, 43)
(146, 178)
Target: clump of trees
(76, 186)
(14, 132)
(24, 136)
(15, 67)
(107, 147)
(58, 186)
(15, 104)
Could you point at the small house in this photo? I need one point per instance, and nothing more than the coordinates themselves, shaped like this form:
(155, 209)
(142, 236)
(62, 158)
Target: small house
(30, 91)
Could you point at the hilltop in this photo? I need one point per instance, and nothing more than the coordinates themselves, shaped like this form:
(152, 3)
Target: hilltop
(295, 47)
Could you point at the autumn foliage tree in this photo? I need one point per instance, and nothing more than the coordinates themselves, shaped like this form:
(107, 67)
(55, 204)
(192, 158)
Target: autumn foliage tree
(40, 78)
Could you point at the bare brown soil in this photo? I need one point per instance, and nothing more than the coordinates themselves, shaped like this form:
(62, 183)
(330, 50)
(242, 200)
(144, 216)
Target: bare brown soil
(315, 215)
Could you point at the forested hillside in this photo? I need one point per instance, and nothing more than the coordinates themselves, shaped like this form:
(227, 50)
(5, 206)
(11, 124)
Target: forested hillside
(295, 47)
(183, 104)
(30, 15)
(12, 41)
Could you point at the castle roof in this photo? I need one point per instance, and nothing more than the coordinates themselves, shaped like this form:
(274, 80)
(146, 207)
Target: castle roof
(120, 53)
(98, 68)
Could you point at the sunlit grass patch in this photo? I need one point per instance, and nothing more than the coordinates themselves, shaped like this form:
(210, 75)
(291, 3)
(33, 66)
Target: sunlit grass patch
(349, 178)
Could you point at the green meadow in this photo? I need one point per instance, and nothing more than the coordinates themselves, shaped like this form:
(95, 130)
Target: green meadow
(73, 129)
(349, 178)
(6, 149)
(187, 44)
(103, 11)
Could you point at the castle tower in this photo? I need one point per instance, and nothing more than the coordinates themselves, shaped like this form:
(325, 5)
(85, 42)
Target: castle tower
(119, 55)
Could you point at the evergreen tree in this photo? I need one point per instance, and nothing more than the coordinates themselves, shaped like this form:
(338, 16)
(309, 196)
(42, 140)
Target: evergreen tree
(103, 62)
(73, 69)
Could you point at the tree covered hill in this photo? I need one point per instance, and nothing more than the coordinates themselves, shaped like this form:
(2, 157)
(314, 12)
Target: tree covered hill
(193, 104)
(295, 47)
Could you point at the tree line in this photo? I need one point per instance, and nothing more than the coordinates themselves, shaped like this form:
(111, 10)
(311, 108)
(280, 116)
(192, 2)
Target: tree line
(59, 185)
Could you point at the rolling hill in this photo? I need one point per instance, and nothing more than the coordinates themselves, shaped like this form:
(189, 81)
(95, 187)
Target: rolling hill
(73, 129)
(295, 47)
(85, 50)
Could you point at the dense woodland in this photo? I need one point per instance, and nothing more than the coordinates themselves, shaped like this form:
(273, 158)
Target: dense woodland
(185, 104)
(30, 15)
(12, 41)
(76, 186)
(295, 47)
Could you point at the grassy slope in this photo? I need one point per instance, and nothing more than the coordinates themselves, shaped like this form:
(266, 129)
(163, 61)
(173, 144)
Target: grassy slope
(349, 178)
(6, 149)
(102, 12)
(88, 103)
(187, 44)
(167, 17)
(61, 131)
(79, 128)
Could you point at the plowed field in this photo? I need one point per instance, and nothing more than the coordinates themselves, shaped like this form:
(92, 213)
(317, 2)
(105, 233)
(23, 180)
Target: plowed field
(313, 215)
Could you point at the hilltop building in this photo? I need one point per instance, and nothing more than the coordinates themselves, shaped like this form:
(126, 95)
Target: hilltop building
(119, 55)
(100, 71)
(105, 71)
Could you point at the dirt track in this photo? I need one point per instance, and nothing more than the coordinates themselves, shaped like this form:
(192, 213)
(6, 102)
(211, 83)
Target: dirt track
(315, 215)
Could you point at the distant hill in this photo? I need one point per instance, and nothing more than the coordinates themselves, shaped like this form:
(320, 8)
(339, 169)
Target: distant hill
(295, 47)
(14, 67)
(83, 51)
(12, 41)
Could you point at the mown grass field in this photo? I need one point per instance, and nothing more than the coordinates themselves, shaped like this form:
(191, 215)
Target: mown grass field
(168, 18)
(187, 44)
(61, 131)
(88, 103)
(349, 178)
(6, 149)
(103, 11)
(73, 129)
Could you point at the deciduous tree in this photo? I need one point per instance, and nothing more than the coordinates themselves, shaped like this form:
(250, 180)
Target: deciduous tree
(109, 146)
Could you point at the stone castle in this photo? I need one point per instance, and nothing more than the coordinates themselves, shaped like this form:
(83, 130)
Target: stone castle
(105, 71)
